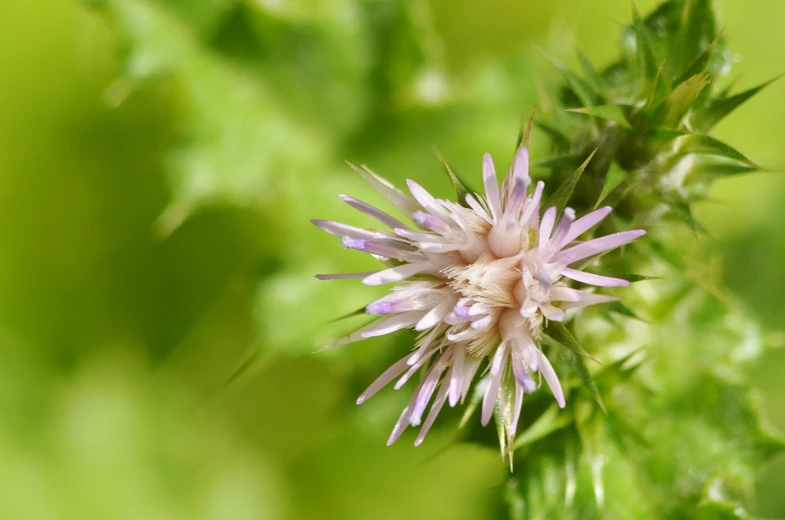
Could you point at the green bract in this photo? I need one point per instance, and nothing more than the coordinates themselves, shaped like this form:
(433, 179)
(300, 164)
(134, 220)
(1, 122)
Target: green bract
(668, 426)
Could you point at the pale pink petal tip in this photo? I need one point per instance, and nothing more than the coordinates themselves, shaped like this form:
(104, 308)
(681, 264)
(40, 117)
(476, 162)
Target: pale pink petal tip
(453, 301)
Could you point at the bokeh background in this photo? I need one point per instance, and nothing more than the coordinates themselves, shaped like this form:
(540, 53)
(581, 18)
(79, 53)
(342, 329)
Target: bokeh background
(159, 162)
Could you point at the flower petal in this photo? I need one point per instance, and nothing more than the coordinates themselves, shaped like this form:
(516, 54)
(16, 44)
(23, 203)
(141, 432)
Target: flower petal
(403, 420)
(491, 184)
(551, 378)
(587, 299)
(426, 200)
(344, 230)
(552, 313)
(494, 381)
(594, 279)
(384, 379)
(477, 207)
(531, 215)
(546, 226)
(438, 403)
(457, 379)
(426, 392)
(584, 224)
(373, 212)
(406, 205)
(392, 323)
(597, 246)
(395, 274)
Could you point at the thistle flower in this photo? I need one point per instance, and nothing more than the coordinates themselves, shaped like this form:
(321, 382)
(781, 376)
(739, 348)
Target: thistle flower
(477, 281)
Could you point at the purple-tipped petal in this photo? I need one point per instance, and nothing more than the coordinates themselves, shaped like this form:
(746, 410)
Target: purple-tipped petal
(344, 230)
(567, 219)
(404, 204)
(384, 379)
(426, 392)
(583, 224)
(522, 376)
(414, 368)
(373, 212)
(402, 423)
(392, 323)
(374, 247)
(597, 246)
(520, 166)
(546, 226)
(395, 274)
(426, 200)
(384, 307)
(494, 381)
(377, 328)
(428, 221)
(551, 378)
(438, 403)
(456, 381)
(491, 187)
(594, 279)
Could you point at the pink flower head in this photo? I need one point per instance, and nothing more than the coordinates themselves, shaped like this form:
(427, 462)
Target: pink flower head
(477, 281)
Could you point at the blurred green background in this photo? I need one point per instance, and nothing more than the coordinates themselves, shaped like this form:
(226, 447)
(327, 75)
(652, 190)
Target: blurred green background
(159, 162)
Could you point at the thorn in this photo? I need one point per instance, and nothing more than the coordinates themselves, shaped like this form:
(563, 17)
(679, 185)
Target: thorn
(527, 134)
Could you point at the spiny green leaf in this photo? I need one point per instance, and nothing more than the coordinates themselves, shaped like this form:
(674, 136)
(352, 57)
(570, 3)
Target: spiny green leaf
(562, 161)
(560, 334)
(501, 430)
(620, 427)
(706, 145)
(659, 88)
(617, 370)
(673, 108)
(554, 418)
(358, 312)
(644, 51)
(619, 308)
(525, 133)
(559, 139)
(593, 439)
(682, 210)
(697, 28)
(615, 176)
(621, 273)
(579, 365)
(562, 195)
(593, 78)
(615, 113)
(699, 65)
(461, 190)
(716, 167)
(716, 109)
(585, 94)
(664, 135)
(504, 413)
